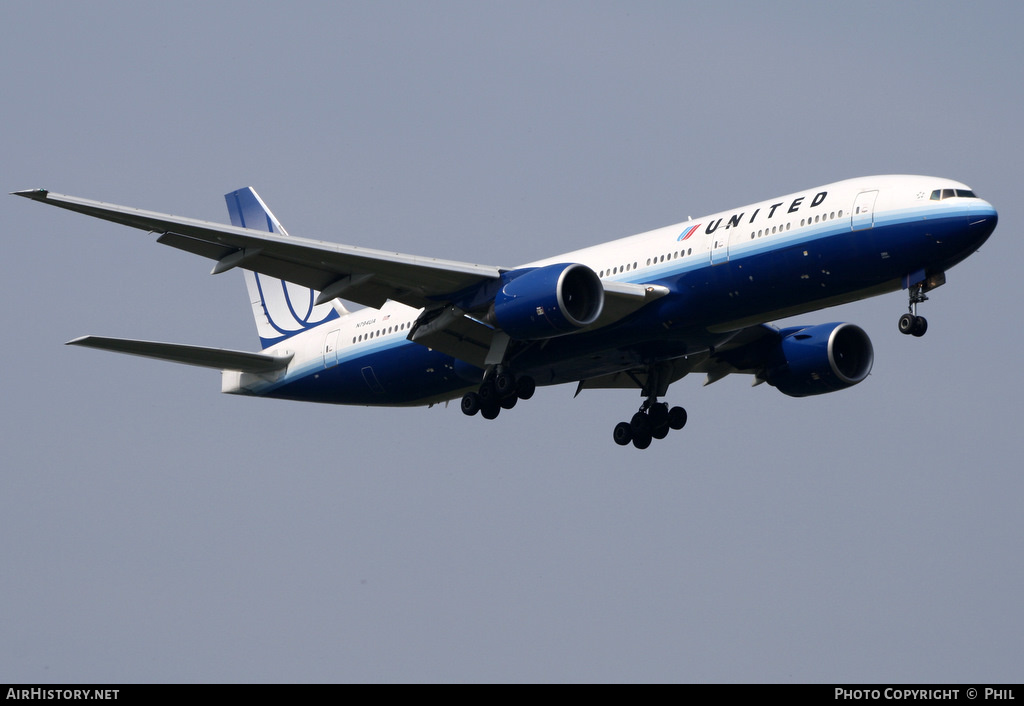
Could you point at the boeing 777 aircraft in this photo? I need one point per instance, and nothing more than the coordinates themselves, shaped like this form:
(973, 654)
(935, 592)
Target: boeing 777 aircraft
(640, 312)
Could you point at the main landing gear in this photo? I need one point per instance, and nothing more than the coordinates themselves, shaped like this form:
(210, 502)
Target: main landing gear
(497, 392)
(910, 323)
(653, 421)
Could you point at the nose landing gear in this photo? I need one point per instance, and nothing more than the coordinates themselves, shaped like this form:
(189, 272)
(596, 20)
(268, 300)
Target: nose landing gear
(910, 323)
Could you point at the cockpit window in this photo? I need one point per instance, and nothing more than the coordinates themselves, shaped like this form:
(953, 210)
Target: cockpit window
(940, 194)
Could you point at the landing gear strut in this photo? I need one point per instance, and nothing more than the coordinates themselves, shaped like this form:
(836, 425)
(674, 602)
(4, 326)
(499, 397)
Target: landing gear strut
(654, 420)
(910, 323)
(498, 391)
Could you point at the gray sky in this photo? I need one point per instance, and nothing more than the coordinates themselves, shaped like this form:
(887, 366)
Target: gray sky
(156, 530)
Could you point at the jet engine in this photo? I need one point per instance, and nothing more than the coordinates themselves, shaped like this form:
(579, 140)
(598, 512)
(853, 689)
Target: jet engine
(819, 359)
(545, 302)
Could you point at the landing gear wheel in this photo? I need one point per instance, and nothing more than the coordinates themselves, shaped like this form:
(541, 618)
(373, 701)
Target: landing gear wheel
(920, 326)
(642, 439)
(623, 433)
(525, 387)
(640, 426)
(640, 423)
(907, 324)
(508, 402)
(677, 418)
(470, 404)
(658, 414)
(487, 393)
(490, 411)
(504, 384)
(913, 325)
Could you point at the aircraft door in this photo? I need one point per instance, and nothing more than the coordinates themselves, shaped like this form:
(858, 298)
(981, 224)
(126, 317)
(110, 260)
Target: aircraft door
(331, 348)
(718, 245)
(863, 213)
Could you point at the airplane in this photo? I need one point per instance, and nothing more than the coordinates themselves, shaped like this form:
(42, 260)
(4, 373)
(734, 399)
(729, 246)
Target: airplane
(638, 313)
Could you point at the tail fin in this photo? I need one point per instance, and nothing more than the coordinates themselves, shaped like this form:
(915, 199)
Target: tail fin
(281, 309)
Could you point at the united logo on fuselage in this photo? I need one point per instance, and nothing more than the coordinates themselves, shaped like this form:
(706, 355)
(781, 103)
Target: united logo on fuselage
(687, 233)
(736, 218)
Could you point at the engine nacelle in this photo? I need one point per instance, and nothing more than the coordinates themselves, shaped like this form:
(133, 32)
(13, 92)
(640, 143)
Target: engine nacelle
(549, 301)
(820, 359)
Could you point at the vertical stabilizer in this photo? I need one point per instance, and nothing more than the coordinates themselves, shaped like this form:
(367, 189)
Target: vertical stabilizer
(281, 309)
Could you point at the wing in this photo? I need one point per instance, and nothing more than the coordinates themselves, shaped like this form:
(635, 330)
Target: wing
(202, 356)
(367, 277)
(747, 352)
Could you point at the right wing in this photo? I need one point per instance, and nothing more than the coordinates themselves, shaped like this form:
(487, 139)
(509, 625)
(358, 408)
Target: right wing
(219, 358)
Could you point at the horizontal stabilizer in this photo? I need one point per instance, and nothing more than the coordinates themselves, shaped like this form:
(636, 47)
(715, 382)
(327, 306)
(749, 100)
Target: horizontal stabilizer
(218, 358)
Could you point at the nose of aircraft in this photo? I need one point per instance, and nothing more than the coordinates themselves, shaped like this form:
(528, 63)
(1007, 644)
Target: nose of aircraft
(982, 221)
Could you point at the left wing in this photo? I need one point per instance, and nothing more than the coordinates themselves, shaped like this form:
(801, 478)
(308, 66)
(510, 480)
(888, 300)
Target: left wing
(746, 352)
(367, 277)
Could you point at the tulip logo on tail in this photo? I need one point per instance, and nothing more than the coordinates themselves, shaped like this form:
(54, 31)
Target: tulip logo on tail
(283, 309)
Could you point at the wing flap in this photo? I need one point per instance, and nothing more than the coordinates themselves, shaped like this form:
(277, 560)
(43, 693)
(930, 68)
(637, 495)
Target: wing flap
(460, 337)
(745, 353)
(219, 358)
